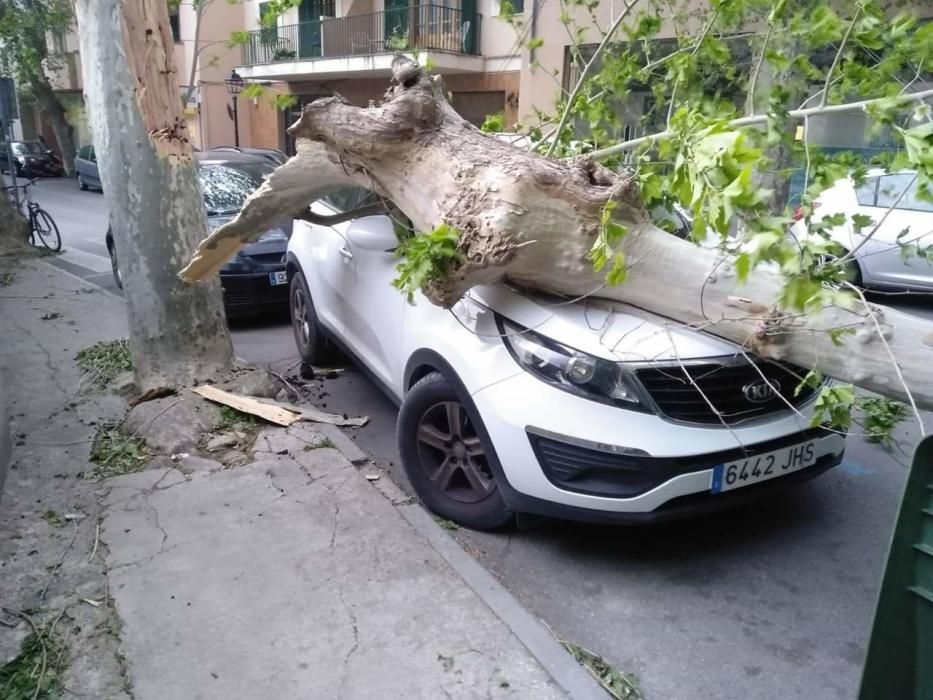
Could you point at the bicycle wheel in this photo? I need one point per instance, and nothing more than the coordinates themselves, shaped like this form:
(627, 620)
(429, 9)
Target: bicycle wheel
(45, 226)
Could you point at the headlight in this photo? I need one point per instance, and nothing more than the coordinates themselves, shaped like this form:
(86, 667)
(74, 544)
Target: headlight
(571, 370)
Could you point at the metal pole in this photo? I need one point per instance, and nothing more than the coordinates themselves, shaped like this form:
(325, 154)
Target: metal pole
(236, 125)
(9, 158)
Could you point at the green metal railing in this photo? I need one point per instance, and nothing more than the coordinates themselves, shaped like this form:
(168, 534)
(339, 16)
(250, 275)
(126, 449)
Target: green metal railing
(421, 27)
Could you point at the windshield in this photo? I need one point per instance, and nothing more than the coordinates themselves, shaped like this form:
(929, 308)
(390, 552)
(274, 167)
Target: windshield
(227, 185)
(22, 147)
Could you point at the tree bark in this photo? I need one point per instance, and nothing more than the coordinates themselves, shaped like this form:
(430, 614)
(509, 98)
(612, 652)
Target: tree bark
(178, 333)
(64, 133)
(14, 229)
(531, 221)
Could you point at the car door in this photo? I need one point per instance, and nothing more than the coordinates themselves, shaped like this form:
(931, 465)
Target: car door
(324, 266)
(374, 308)
(910, 222)
(92, 173)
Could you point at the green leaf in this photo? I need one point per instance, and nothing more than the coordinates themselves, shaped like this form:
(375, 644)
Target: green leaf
(618, 272)
(534, 43)
(743, 265)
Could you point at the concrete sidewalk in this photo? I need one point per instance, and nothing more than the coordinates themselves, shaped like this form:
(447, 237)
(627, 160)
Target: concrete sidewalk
(291, 576)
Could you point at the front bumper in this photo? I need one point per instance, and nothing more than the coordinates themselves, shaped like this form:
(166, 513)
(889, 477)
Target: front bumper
(565, 456)
(250, 293)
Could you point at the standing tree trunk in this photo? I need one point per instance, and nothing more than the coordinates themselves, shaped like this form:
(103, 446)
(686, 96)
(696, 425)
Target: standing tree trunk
(14, 229)
(64, 133)
(178, 333)
(532, 221)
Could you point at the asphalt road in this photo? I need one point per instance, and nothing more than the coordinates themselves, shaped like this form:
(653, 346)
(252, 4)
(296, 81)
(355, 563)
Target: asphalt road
(772, 600)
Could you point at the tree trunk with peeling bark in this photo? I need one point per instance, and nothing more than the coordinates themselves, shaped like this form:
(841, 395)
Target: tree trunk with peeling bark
(14, 229)
(178, 332)
(531, 221)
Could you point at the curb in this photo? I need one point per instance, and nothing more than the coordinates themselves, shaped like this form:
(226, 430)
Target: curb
(576, 681)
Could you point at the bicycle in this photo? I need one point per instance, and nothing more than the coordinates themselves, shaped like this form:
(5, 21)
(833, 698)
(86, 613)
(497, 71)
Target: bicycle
(41, 222)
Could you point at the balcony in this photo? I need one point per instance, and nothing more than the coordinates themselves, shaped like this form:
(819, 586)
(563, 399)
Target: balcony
(364, 44)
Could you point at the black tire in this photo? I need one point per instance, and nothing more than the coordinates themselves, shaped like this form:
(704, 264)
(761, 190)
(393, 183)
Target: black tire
(309, 334)
(82, 185)
(447, 458)
(853, 270)
(115, 266)
(47, 229)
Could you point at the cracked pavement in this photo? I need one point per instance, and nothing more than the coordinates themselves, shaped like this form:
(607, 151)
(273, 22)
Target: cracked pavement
(292, 577)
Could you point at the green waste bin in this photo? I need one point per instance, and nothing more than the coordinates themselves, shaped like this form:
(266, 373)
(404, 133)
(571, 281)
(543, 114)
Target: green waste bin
(899, 664)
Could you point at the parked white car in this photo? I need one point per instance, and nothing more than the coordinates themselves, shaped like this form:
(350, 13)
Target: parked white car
(514, 403)
(878, 261)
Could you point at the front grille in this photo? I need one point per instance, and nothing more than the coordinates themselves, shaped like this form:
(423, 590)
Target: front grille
(268, 258)
(679, 391)
(595, 472)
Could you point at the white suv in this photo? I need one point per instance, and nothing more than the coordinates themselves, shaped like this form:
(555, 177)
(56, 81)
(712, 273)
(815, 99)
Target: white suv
(513, 403)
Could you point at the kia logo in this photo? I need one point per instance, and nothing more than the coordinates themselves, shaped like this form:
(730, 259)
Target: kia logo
(761, 391)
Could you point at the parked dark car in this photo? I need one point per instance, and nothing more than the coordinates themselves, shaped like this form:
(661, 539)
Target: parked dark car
(86, 169)
(255, 279)
(30, 159)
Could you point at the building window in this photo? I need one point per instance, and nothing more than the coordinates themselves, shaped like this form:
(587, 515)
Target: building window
(58, 42)
(175, 25)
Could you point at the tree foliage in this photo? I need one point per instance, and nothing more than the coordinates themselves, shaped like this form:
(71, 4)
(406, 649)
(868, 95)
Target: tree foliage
(24, 28)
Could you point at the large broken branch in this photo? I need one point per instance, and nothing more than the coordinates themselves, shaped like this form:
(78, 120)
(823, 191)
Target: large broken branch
(531, 221)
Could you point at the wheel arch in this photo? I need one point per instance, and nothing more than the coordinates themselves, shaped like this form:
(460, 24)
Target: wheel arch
(423, 362)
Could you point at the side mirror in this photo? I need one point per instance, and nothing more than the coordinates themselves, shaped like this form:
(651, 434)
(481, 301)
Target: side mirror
(373, 233)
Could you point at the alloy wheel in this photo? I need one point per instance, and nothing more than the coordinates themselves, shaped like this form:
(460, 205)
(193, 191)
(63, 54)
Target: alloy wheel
(452, 455)
(300, 315)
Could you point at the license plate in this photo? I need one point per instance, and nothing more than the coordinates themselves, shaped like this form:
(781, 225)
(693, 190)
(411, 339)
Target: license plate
(277, 278)
(758, 468)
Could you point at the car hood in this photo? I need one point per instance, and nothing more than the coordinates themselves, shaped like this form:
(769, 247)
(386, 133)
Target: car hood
(606, 329)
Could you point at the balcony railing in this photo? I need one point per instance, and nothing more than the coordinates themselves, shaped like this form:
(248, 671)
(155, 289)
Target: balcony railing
(423, 27)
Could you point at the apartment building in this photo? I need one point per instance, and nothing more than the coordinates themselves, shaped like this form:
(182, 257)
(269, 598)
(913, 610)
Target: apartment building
(347, 46)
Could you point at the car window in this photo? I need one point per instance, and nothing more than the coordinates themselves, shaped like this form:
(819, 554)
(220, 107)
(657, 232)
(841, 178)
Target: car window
(84, 153)
(866, 192)
(226, 185)
(91, 155)
(23, 147)
(891, 187)
(349, 198)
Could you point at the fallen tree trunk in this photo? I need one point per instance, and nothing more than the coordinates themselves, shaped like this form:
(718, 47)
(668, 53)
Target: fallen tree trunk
(531, 221)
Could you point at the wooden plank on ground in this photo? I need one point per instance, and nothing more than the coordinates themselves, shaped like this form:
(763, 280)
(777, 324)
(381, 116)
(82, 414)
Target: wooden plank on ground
(247, 404)
(315, 415)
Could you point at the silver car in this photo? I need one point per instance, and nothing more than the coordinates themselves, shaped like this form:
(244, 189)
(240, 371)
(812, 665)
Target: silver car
(890, 257)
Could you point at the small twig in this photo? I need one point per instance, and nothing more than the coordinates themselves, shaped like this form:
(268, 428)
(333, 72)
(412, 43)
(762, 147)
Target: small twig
(855, 249)
(96, 542)
(838, 57)
(152, 420)
(703, 35)
(48, 582)
(584, 74)
(291, 388)
(750, 98)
